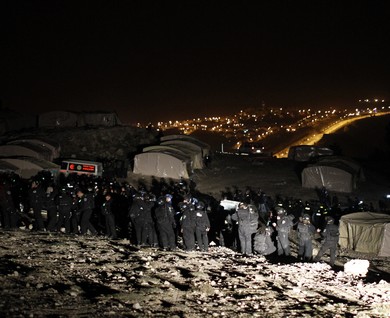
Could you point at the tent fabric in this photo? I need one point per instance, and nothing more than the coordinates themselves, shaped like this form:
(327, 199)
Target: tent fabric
(25, 149)
(160, 165)
(27, 167)
(344, 163)
(304, 153)
(193, 150)
(42, 142)
(172, 151)
(204, 146)
(7, 167)
(335, 173)
(366, 232)
(332, 178)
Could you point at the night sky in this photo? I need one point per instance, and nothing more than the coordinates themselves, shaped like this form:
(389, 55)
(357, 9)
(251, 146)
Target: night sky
(159, 60)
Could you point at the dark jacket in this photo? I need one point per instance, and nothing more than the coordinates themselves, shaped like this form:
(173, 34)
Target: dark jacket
(164, 214)
(305, 231)
(331, 233)
(188, 218)
(247, 219)
(202, 220)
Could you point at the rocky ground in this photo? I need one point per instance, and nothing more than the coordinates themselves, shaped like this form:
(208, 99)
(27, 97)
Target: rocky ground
(54, 275)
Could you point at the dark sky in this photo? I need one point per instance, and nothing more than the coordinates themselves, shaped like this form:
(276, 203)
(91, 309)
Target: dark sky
(159, 60)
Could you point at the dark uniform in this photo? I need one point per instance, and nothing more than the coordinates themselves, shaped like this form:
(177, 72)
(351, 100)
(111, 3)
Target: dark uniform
(188, 224)
(65, 204)
(109, 217)
(85, 206)
(305, 231)
(202, 227)
(283, 227)
(36, 197)
(138, 218)
(248, 220)
(51, 208)
(149, 234)
(331, 238)
(165, 220)
(9, 217)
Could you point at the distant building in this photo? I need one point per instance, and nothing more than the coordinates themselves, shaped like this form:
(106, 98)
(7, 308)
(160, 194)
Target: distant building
(62, 119)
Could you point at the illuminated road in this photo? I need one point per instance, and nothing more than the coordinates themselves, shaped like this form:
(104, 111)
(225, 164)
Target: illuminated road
(313, 139)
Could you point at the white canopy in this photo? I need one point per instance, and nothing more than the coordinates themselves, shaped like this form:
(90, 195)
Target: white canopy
(162, 165)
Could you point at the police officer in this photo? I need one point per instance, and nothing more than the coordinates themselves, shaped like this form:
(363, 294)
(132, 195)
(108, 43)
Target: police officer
(85, 206)
(165, 222)
(202, 227)
(331, 239)
(248, 220)
(149, 233)
(305, 231)
(36, 196)
(138, 217)
(9, 217)
(109, 216)
(51, 208)
(283, 227)
(188, 223)
(263, 243)
(65, 204)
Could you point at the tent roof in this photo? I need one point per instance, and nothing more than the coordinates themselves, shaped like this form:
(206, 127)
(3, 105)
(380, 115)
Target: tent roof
(27, 167)
(25, 149)
(42, 139)
(6, 166)
(194, 151)
(366, 218)
(307, 152)
(343, 163)
(161, 165)
(184, 144)
(43, 143)
(165, 148)
(333, 178)
(186, 138)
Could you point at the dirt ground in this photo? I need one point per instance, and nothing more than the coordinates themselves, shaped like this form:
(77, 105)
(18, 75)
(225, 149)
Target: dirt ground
(46, 275)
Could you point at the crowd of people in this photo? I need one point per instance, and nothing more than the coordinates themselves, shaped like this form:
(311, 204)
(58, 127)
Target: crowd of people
(165, 215)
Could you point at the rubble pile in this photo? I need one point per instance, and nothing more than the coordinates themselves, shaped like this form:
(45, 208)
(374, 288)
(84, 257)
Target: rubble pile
(46, 274)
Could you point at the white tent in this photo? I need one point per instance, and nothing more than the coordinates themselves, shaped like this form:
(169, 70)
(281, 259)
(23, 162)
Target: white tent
(204, 146)
(7, 167)
(42, 142)
(173, 151)
(191, 149)
(346, 162)
(162, 165)
(366, 232)
(332, 178)
(25, 149)
(27, 167)
(334, 173)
